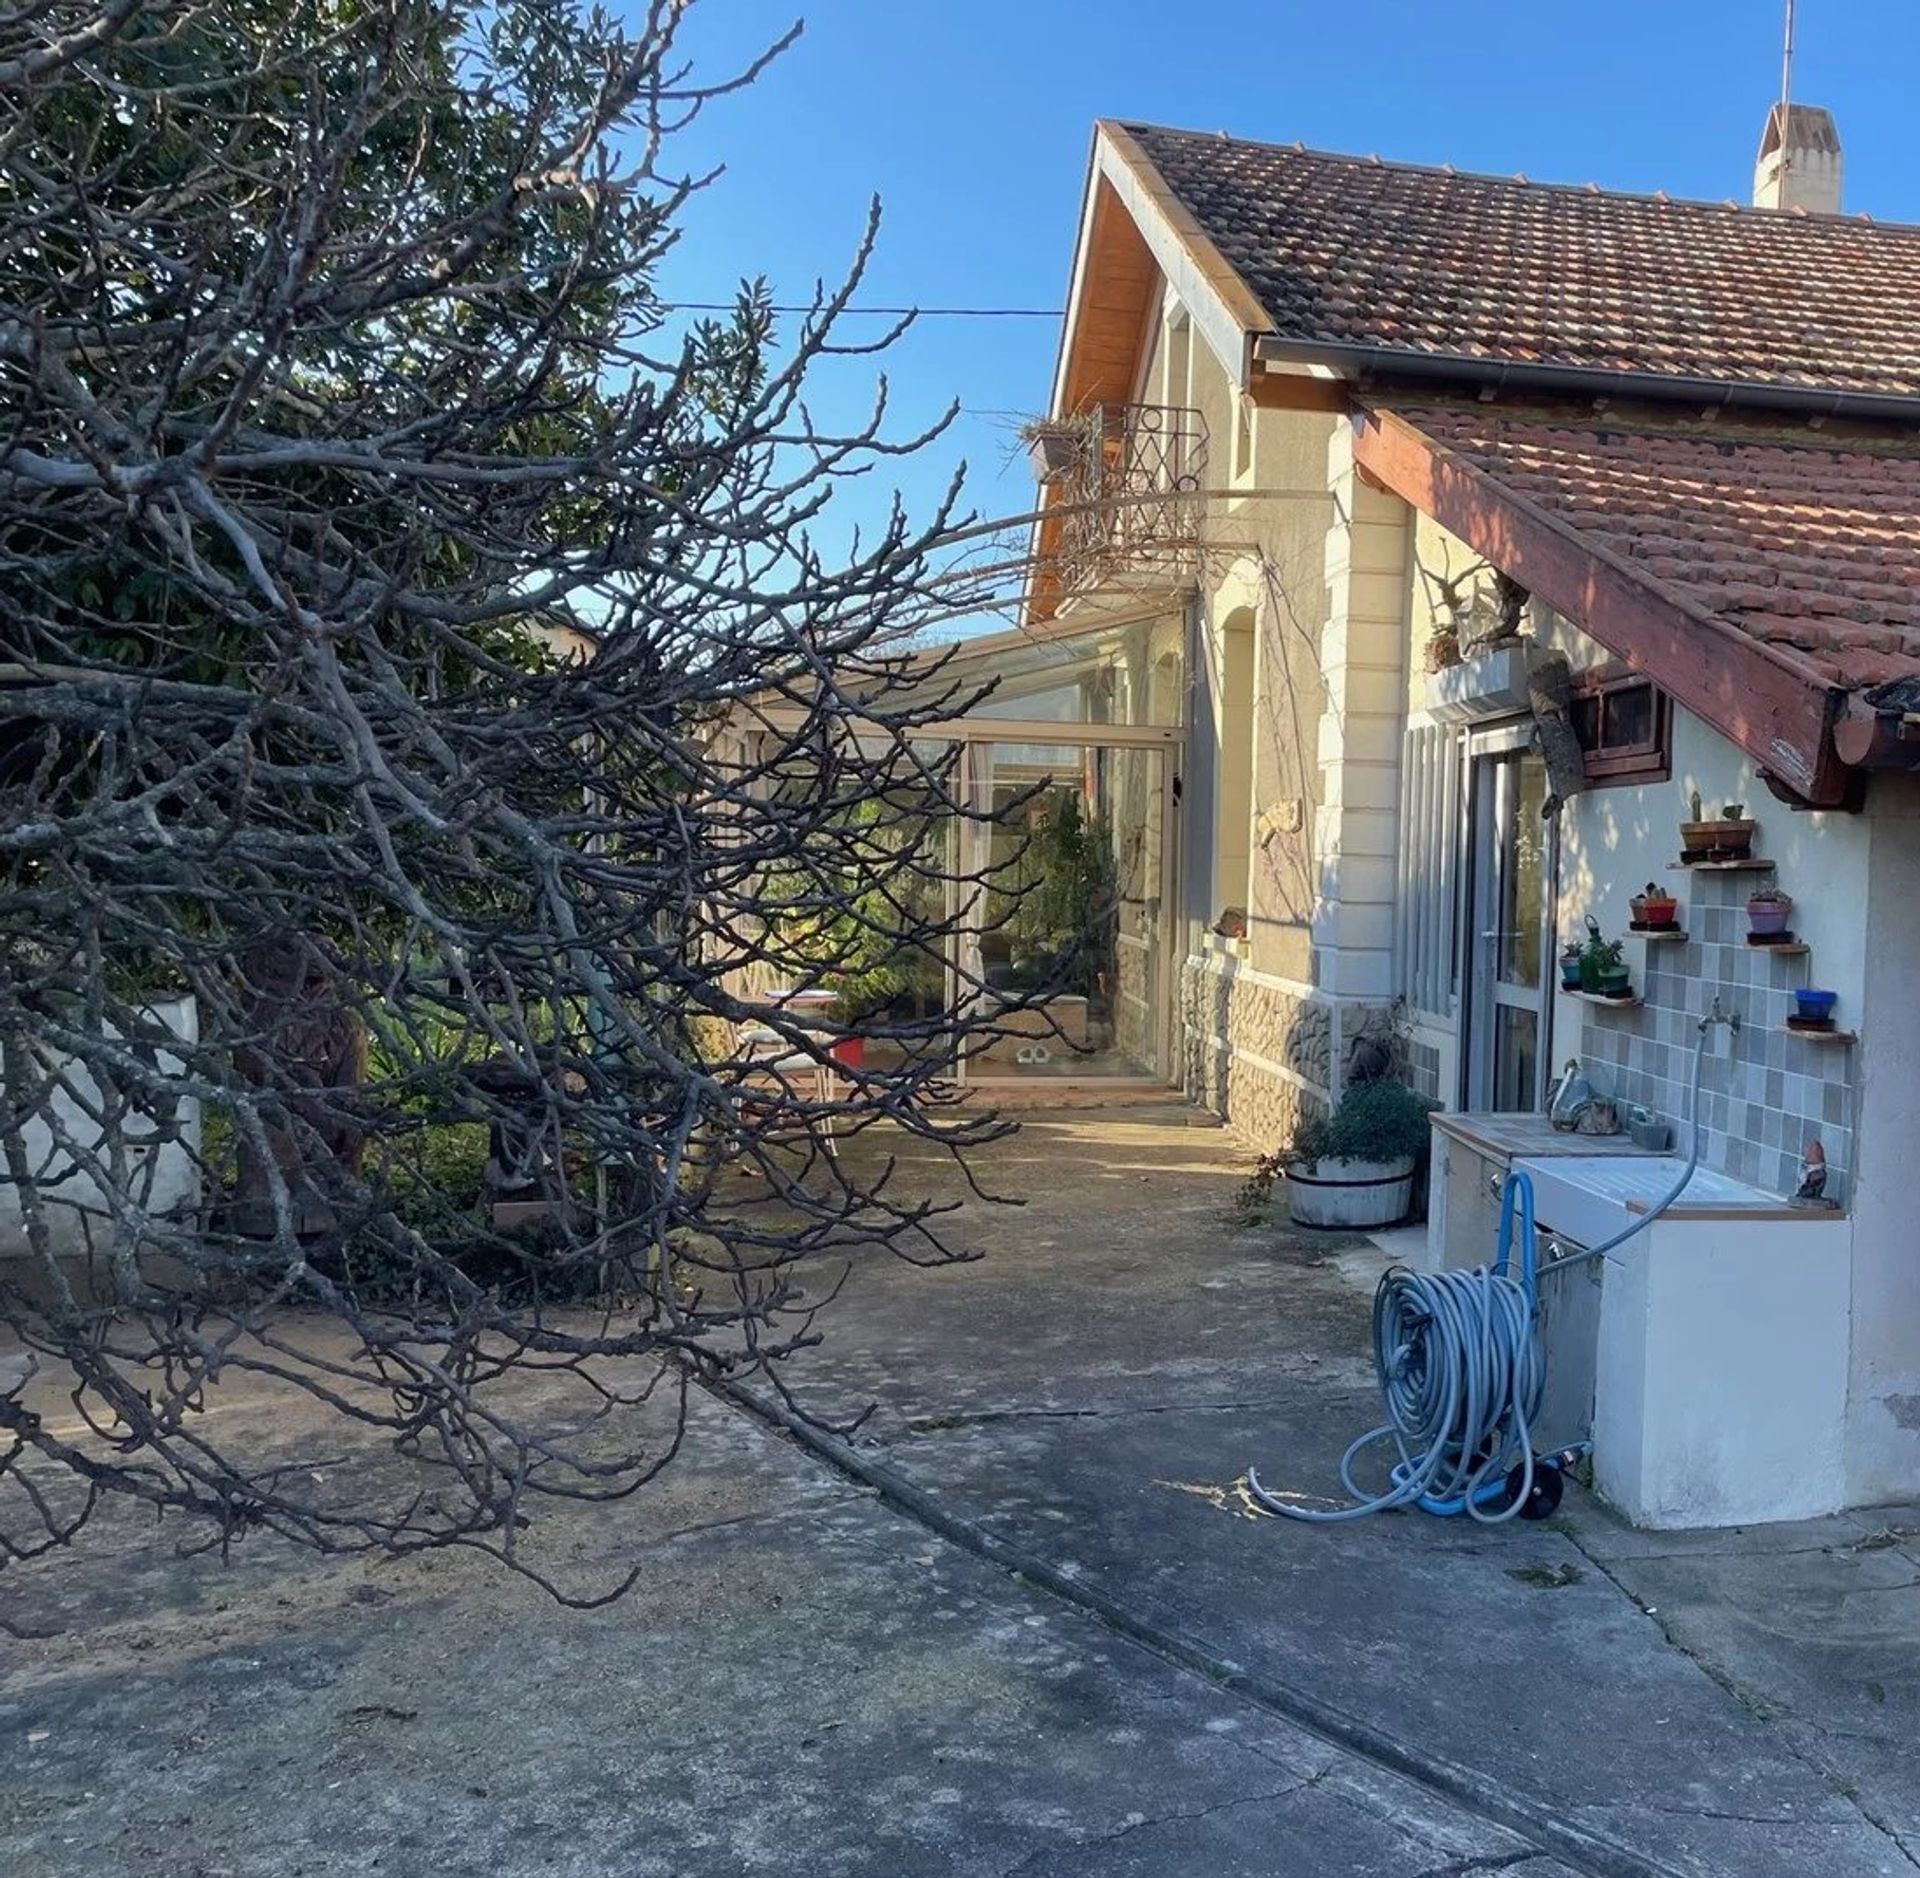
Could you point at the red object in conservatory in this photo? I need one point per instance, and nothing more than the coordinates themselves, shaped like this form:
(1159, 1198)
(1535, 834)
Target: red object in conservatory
(849, 1052)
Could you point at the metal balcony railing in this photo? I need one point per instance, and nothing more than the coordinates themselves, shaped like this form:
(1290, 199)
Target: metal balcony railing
(1126, 482)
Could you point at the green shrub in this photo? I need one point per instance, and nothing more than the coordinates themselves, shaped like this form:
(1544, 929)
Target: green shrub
(1375, 1121)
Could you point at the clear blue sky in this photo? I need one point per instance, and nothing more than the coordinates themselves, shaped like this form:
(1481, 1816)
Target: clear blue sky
(971, 122)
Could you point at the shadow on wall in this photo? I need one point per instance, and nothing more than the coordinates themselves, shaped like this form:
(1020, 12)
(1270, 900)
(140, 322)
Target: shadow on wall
(1289, 727)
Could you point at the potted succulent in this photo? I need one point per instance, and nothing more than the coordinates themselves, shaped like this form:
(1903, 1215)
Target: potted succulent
(1570, 965)
(1727, 836)
(1603, 969)
(1767, 911)
(1655, 910)
(1614, 978)
(1354, 1167)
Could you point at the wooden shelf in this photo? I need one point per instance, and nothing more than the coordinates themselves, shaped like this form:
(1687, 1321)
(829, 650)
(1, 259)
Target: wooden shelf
(1662, 935)
(1822, 1036)
(1612, 1004)
(1794, 949)
(1719, 867)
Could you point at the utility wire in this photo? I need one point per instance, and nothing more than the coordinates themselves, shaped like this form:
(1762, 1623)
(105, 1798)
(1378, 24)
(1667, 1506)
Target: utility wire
(886, 312)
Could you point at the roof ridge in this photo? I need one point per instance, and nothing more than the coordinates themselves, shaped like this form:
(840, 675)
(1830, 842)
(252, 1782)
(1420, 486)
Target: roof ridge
(1856, 219)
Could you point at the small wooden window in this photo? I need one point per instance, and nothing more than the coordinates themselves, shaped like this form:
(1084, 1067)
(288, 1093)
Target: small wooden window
(1625, 725)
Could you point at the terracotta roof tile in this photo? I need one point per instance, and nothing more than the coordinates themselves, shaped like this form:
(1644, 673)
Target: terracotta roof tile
(1814, 545)
(1410, 261)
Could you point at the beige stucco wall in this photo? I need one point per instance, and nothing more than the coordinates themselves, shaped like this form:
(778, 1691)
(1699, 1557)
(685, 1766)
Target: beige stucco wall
(1254, 1041)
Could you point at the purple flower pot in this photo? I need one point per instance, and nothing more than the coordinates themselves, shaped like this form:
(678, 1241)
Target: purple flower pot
(1768, 916)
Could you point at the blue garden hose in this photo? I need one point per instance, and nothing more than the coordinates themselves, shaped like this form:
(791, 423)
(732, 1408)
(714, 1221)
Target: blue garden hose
(1461, 1374)
(1461, 1370)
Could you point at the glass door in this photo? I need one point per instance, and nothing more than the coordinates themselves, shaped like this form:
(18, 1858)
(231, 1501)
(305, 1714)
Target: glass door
(1071, 916)
(1510, 910)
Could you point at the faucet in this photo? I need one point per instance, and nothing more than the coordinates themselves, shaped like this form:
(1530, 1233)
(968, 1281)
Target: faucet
(1718, 1016)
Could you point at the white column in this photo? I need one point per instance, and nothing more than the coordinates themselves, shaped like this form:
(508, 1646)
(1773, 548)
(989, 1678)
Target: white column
(1363, 662)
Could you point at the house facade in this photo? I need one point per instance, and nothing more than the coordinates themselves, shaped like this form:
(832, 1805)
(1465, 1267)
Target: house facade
(1506, 520)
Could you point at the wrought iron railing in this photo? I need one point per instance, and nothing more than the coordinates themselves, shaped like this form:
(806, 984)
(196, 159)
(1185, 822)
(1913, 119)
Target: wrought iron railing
(1126, 484)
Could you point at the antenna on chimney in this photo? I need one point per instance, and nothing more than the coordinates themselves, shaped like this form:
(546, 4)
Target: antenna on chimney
(1800, 165)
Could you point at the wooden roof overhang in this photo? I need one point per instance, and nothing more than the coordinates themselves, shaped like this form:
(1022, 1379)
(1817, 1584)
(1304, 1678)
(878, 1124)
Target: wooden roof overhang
(1137, 242)
(1778, 707)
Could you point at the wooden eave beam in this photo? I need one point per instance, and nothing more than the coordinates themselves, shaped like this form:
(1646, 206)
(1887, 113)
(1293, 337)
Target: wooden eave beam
(1779, 709)
(1297, 391)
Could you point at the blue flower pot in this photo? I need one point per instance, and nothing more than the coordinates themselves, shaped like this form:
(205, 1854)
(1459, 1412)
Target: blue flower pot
(1815, 1006)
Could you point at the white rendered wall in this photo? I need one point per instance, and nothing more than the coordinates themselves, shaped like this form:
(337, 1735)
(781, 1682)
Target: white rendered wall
(1720, 1394)
(172, 1169)
(1883, 1428)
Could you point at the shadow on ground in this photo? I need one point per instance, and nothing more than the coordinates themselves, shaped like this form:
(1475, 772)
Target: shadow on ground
(1094, 1388)
(809, 1681)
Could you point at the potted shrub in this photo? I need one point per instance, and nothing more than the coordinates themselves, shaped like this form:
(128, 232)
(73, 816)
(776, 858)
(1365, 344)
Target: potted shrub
(1655, 910)
(1767, 912)
(1354, 1167)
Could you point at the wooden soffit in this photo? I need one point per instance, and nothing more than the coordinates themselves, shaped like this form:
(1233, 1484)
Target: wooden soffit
(1775, 707)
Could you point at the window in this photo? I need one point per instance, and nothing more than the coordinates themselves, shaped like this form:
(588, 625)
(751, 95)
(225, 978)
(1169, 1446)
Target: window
(1624, 722)
(1430, 775)
(1232, 840)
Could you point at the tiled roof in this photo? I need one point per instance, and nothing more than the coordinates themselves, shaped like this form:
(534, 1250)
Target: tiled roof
(1408, 261)
(1801, 544)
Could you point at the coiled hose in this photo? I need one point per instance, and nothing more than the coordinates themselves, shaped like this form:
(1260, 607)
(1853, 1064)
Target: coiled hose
(1461, 1375)
(1461, 1369)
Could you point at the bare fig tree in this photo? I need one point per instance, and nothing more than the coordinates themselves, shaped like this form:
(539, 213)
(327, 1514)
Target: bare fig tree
(431, 741)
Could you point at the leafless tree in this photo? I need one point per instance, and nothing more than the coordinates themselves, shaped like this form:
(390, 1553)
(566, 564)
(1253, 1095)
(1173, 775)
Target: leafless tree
(429, 730)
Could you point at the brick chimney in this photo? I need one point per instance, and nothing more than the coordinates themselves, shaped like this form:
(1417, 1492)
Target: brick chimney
(1800, 165)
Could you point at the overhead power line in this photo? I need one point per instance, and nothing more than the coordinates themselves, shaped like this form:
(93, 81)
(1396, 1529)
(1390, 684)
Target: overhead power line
(728, 306)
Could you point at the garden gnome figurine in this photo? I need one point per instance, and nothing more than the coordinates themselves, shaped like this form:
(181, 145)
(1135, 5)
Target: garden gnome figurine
(1813, 1177)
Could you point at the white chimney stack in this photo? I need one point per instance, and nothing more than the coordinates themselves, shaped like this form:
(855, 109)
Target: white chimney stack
(1800, 165)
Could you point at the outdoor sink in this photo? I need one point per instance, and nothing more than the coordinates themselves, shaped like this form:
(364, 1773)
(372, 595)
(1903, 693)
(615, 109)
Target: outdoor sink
(1588, 1198)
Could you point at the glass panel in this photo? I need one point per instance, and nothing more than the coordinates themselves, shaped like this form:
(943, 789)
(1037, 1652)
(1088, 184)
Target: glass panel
(1071, 918)
(1629, 718)
(1516, 1053)
(1523, 873)
(894, 950)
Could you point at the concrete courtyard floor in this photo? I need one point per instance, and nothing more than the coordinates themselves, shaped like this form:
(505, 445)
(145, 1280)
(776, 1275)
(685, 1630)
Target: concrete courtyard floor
(815, 1677)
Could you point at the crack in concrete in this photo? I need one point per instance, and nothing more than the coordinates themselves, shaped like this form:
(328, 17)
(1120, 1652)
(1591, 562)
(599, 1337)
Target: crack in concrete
(1127, 1828)
(1551, 1834)
(1468, 1867)
(991, 1418)
(1800, 1738)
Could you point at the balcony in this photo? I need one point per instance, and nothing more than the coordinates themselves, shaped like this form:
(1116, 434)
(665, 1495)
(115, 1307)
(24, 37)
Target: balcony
(1124, 490)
